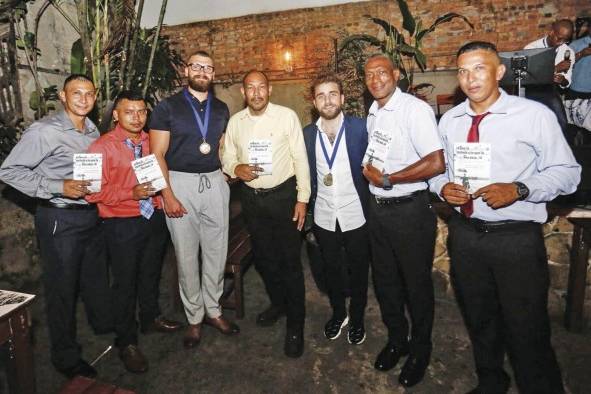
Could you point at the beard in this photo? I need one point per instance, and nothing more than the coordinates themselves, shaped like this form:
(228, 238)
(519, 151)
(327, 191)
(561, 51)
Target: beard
(199, 85)
(330, 114)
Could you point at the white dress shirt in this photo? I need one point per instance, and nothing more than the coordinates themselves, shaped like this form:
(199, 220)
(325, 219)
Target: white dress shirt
(543, 43)
(527, 145)
(339, 201)
(411, 124)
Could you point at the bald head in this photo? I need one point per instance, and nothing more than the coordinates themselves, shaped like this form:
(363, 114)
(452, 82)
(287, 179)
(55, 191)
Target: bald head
(252, 73)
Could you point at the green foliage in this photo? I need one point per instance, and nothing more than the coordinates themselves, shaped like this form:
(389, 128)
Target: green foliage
(45, 103)
(404, 49)
(28, 41)
(77, 65)
(164, 77)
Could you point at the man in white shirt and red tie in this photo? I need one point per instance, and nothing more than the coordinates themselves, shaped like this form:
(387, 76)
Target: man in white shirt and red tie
(335, 145)
(498, 259)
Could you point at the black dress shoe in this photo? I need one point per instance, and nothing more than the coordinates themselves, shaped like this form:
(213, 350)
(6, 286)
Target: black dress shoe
(413, 371)
(161, 324)
(389, 356)
(270, 316)
(82, 368)
(294, 343)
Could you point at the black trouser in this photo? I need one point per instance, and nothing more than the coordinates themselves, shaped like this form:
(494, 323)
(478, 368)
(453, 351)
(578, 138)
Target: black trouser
(277, 247)
(356, 245)
(501, 279)
(136, 249)
(402, 237)
(73, 259)
(549, 95)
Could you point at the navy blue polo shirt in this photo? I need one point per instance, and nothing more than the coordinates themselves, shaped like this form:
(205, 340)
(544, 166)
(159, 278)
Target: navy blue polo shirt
(176, 116)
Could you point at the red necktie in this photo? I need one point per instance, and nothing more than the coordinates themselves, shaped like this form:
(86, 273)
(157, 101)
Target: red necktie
(473, 136)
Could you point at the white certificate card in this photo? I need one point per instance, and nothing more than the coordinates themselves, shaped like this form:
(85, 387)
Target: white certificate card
(472, 165)
(89, 167)
(260, 153)
(377, 149)
(147, 169)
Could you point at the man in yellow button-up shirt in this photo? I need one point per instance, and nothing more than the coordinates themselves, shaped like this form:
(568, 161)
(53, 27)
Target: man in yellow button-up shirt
(264, 147)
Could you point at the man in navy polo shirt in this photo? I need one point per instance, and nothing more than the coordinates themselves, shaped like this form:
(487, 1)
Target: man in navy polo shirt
(185, 135)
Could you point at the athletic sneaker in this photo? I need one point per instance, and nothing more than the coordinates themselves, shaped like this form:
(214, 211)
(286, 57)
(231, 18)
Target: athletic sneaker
(333, 327)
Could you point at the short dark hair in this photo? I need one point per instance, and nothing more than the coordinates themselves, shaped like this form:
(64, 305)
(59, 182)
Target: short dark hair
(326, 78)
(476, 45)
(198, 53)
(255, 71)
(77, 77)
(130, 95)
(380, 55)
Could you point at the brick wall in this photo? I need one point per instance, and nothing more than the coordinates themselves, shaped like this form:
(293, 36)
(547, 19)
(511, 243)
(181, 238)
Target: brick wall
(255, 41)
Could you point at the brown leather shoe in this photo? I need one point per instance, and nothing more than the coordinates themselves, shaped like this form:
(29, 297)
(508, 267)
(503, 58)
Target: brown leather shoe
(192, 336)
(133, 359)
(162, 324)
(224, 326)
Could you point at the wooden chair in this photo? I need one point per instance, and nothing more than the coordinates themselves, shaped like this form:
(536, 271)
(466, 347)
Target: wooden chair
(443, 99)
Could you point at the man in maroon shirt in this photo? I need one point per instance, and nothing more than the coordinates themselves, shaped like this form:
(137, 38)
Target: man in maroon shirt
(135, 229)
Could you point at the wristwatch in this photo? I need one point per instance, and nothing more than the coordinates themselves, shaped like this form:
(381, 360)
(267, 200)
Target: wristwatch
(522, 190)
(386, 184)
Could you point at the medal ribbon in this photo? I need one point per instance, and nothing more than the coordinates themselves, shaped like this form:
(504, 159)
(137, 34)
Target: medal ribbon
(334, 150)
(200, 125)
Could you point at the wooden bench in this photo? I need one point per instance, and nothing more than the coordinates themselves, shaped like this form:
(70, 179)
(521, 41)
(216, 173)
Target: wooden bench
(238, 261)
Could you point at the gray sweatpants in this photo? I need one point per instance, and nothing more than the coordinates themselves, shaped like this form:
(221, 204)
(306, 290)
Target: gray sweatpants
(206, 198)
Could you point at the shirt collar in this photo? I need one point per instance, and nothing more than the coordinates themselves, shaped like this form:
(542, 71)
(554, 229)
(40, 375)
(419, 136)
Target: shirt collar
(122, 135)
(390, 105)
(500, 106)
(89, 126)
(341, 120)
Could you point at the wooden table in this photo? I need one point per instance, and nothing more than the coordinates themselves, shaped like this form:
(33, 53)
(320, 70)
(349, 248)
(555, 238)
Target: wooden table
(577, 275)
(15, 331)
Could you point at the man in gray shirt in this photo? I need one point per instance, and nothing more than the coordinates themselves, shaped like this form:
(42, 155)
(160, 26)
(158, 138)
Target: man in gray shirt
(71, 245)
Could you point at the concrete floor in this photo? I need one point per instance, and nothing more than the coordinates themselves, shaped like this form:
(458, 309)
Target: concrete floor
(253, 362)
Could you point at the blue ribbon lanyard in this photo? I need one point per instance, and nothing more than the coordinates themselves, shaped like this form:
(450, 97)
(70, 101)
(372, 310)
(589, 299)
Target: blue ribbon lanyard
(200, 125)
(334, 150)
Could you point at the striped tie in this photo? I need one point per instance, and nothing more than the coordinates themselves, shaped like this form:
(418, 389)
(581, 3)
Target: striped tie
(146, 206)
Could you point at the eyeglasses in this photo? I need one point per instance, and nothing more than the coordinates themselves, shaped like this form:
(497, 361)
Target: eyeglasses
(206, 68)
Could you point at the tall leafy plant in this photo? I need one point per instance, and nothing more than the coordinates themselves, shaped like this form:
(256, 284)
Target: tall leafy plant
(112, 49)
(405, 49)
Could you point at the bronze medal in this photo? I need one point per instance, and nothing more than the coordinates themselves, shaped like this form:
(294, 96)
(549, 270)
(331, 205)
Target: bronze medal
(328, 179)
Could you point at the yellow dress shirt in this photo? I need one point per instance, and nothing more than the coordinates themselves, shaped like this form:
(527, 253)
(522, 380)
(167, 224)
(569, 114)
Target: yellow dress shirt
(282, 127)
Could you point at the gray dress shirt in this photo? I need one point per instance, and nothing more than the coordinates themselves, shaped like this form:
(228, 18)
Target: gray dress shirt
(43, 158)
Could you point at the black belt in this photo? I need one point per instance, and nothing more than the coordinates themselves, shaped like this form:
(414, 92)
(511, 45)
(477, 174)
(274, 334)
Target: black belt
(65, 205)
(483, 226)
(399, 199)
(261, 191)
